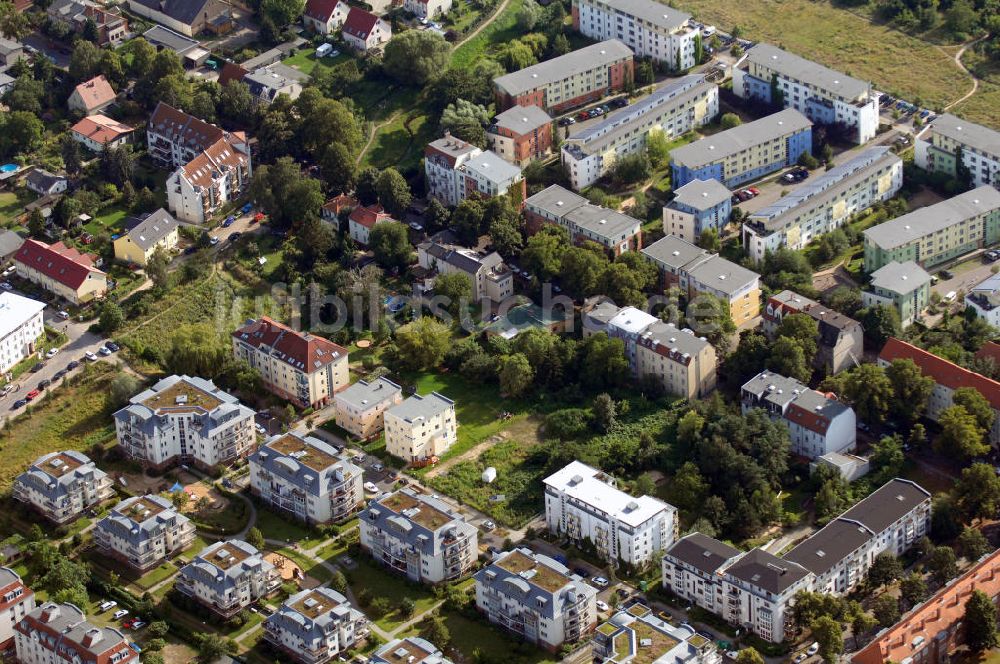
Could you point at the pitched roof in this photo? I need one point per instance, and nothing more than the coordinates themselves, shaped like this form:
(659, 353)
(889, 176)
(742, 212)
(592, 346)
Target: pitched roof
(941, 370)
(826, 548)
(301, 350)
(557, 69)
(184, 11)
(523, 119)
(321, 10)
(369, 215)
(183, 128)
(887, 505)
(101, 129)
(212, 162)
(9, 242)
(767, 571)
(231, 72)
(830, 81)
(96, 92)
(702, 552)
(360, 23)
(58, 262)
(967, 133)
(718, 147)
(900, 278)
(702, 194)
(990, 349)
(152, 229)
(923, 221)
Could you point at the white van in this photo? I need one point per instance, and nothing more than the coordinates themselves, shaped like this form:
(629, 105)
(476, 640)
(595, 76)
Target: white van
(708, 31)
(323, 50)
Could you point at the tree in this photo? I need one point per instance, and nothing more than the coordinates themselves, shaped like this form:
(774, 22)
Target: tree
(879, 323)
(749, 656)
(14, 24)
(975, 404)
(212, 646)
(516, 374)
(20, 131)
(466, 121)
(912, 390)
(960, 434)
(365, 186)
(390, 243)
(339, 582)
(605, 412)
(869, 391)
(886, 610)
(961, 18)
(437, 632)
(788, 359)
(281, 190)
(416, 56)
(972, 544)
(112, 317)
(977, 492)
(156, 267)
(456, 287)
(516, 55)
(658, 149)
(943, 564)
(730, 120)
(581, 271)
(255, 538)
(528, 16)
(282, 12)
(406, 607)
(36, 223)
(980, 621)
(543, 253)
(506, 237)
(123, 387)
(912, 589)
(143, 54)
(885, 569)
(85, 61)
(709, 240)
(69, 149)
(393, 191)
(887, 457)
(832, 498)
(830, 638)
(197, 349)
(602, 362)
(158, 629)
(337, 164)
(423, 343)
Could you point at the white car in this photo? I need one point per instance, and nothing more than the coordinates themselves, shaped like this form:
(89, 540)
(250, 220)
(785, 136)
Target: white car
(732, 654)
(489, 525)
(813, 649)
(90, 356)
(104, 350)
(600, 582)
(370, 487)
(107, 606)
(52, 353)
(120, 613)
(63, 314)
(602, 605)
(377, 467)
(800, 657)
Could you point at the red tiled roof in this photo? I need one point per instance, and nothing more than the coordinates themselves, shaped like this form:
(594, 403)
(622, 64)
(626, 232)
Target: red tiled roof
(807, 419)
(360, 23)
(231, 72)
(989, 349)
(942, 371)
(341, 202)
(101, 129)
(369, 216)
(58, 262)
(918, 629)
(321, 10)
(215, 159)
(300, 350)
(96, 92)
(183, 128)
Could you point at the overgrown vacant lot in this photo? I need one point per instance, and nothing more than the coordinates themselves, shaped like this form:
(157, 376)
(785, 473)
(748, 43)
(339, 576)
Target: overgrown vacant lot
(894, 61)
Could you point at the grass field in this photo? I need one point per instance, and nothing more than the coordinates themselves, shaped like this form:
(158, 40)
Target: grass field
(400, 144)
(10, 206)
(76, 419)
(502, 30)
(282, 528)
(111, 220)
(982, 106)
(307, 62)
(468, 636)
(894, 61)
(380, 583)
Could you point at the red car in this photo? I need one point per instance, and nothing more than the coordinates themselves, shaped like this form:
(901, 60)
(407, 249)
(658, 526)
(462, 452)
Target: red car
(31, 395)
(754, 190)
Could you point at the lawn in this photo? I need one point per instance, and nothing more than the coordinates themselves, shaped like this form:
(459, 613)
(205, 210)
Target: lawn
(152, 577)
(111, 220)
(307, 62)
(400, 143)
(502, 30)
(468, 636)
(284, 529)
(79, 418)
(982, 106)
(380, 583)
(11, 206)
(896, 62)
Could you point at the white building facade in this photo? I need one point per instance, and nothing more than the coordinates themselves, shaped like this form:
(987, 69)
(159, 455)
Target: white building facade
(421, 427)
(21, 324)
(651, 29)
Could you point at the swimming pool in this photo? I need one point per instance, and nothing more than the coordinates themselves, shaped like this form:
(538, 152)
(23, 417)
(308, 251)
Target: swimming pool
(9, 168)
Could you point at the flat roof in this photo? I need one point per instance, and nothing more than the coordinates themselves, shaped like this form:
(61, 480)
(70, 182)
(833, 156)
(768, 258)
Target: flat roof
(723, 275)
(591, 487)
(733, 141)
(564, 66)
(967, 133)
(923, 221)
(300, 449)
(556, 200)
(674, 252)
(224, 555)
(492, 167)
(545, 577)
(15, 311)
(828, 80)
(702, 194)
(417, 406)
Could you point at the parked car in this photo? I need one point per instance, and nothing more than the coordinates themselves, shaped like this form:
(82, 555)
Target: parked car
(583, 115)
(107, 605)
(112, 346)
(7, 285)
(246, 208)
(90, 356)
(63, 314)
(946, 274)
(602, 605)
(18, 404)
(754, 190)
(565, 122)
(813, 649)
(360, 458)
(489, 525)
(52, 353)
(801, 656)
(619, 102)
(120, 613)
(370, 487)
(600, 582)
(732, 654)
(214, 241)
(38, 367)
(230, 220)
(582, 571)
(72, 365)
(42, 384)
(104, 350)
(415, 226)
(991, 256)
(377, 467)
(59, 374)
(31, 395)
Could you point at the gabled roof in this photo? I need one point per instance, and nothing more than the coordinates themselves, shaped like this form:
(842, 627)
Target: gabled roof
(557, 69)
(300, 350)
(826, 548)
(184, 11)
(360, 23)
(57, 262)
(888, 504)
(321, 10)
(215, 160)
(180, 127)
(702, 552)
(368, 216)
(941, 370)
(156, 226)
(718, 147)
(523, 119)
(95, 93)
(101, 129)
(40, 179)
(231, 72)
(767, 571)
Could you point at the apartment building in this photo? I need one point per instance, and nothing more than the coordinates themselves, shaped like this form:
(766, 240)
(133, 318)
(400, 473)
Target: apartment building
(491, 279)
(157, 230)
(822, 94)
(93, 96)
(21, 324)
(585, 222)
(757, 592)
(624, 323)
(315, 625)
(363, 219)
(456, 170)
(677, 106)
(697, 272)
(420, 428)
(744, 153)
(651, 29)
(210, 166)
(692, 570)
(306, 479)
(428, 8)
(932, 631)
(227, 577)
(521, 134)
(442, 160)
(536, 598)
(61, 633)
(188, 17)
(143, 531)
(949, 141)
(266, 84)
(16, 601)
(418, 536)
(636, 634)
(891, 520)
(61, 485)
(905, 287)
(112, 27)
(983, 298)
(698, 206)
(817, 423)
(948, 377)
(298, 366)
(62, 271)
(361, 407)
(183, 419)
(824, 204)
(839, 338)
(937, 233)
(583, 503)
(577, 78)
(411, 650)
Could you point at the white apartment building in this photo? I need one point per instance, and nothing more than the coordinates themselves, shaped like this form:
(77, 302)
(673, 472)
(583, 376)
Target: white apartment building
(455, 170)
(315, 625)
(304, 478)
(822, 94)
(651, 29)
(420, 427)
(412, 650)
(536, 598)
(227, 577)
(143, 531)
(427, 8)
(21, 324)
(54, 633)
(824, 204)
(757, 592)
(675, 108)
(692, 569)
(183, 419)
(304, 368)
(61, 485)
(16, 601)
(418, 536)
(984, 299)
(583, 503)
(950, 140)
(360, 408)
(818, 424)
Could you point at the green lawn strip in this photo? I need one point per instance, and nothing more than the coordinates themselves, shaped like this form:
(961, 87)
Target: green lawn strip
(283, 528)
(166, 570)
(110, 220)
(307, 62)
(11, 206)
(469, 636)
(502, 30)
(197, 544)
(381, 583)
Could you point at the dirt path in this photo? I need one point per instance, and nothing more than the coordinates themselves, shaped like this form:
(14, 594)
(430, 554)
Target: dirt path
(471, 453)
(373, 134)
(975, 81)
(513, 430)
(500, 10)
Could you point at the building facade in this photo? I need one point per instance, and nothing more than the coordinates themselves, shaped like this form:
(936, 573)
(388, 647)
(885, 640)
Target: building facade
(227, 577)
(21, 324)
(636, 634)
(521, 134)
(984, 299)
(412, 649)
(692, 570)
(143, 531)
(298, 366)
(61, 485)
(839, 339)
(16, 601)
(418, 536)
(61, 633)
(951, 141)
(490, 278)
(582, 503)
(647, 27)
(99, 132)
(698, 206)
(306, 479)
(363, 219)
(757, 591)
(360, 408)
(62, 271)
(586, 222)
(364, 31)
(159, 230)
(315, 626)
(183, 419)
(744, 153)
(420, 428)
(905, 287)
